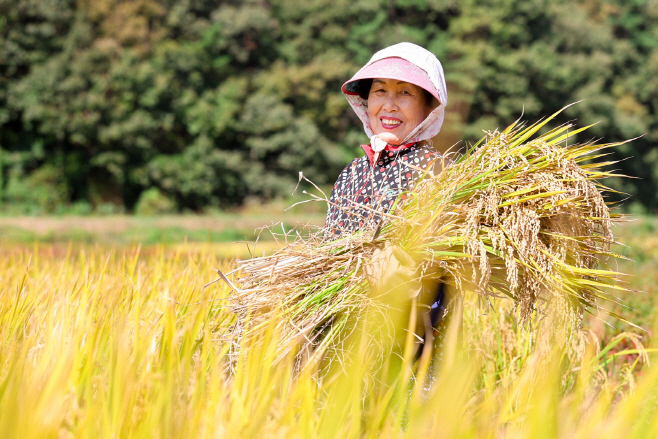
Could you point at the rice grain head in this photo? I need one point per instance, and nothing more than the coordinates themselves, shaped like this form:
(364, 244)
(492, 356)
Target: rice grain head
(516, 217)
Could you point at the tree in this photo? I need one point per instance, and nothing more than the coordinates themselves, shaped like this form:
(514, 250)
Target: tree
(212, 102)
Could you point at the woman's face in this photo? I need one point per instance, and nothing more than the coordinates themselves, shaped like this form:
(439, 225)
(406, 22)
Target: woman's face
(395, 108)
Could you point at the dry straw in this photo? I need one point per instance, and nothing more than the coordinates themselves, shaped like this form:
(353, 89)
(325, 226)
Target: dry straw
(520, 215)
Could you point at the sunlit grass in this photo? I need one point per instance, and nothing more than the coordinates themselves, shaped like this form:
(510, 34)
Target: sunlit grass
(98, 342)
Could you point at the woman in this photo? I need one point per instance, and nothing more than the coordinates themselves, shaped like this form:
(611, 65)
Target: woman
(400, 96)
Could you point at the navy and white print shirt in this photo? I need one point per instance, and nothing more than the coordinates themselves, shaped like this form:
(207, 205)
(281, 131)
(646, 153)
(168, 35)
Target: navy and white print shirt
(363, 191)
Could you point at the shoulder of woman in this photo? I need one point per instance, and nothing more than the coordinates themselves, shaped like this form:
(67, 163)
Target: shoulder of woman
(358, 162)
(356, 165)
(427, 147)
(424, 150)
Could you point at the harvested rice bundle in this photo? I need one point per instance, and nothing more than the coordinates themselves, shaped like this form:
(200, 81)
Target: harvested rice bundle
(515, 217)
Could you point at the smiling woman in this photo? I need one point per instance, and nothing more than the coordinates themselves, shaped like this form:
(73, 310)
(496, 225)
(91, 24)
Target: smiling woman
(400, 97)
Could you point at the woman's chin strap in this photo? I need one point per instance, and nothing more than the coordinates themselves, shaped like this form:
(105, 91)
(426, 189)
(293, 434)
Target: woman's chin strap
(377, 145)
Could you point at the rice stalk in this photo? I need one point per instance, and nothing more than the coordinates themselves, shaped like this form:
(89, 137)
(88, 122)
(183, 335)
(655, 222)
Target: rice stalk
(521, 215)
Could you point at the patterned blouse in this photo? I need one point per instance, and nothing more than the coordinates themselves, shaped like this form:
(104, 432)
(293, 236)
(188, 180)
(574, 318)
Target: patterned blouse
(363, 191)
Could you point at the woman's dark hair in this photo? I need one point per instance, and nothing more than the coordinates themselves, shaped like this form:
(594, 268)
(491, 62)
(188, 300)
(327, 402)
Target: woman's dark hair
(363, 88)
(364, 85)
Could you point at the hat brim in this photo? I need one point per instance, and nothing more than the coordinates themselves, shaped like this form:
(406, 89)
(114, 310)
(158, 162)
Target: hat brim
(392, 68)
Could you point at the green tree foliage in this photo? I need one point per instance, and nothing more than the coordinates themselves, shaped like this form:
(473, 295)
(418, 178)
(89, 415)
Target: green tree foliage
(211, 102)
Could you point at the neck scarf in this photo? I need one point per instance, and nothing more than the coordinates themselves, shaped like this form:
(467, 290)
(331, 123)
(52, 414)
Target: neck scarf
(373, 155)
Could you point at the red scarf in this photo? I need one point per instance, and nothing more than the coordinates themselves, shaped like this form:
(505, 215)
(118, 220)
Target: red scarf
(371, 153)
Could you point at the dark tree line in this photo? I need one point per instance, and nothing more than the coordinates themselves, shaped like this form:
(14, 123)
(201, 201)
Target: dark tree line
(203, 103)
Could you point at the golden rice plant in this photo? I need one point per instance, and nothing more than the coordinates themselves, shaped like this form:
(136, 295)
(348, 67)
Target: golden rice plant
(103, 343)
(521, 215)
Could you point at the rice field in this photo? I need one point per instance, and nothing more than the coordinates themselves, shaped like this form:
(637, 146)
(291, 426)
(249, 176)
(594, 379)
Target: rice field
(124, 342)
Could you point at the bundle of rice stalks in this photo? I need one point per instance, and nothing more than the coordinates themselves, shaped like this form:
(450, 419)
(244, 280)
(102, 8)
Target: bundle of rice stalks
(520, 216)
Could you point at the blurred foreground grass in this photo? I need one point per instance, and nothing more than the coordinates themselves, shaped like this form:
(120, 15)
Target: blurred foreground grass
(102, 341)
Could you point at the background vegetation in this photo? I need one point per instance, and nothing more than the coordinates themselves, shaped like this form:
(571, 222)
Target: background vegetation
(157, 106)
